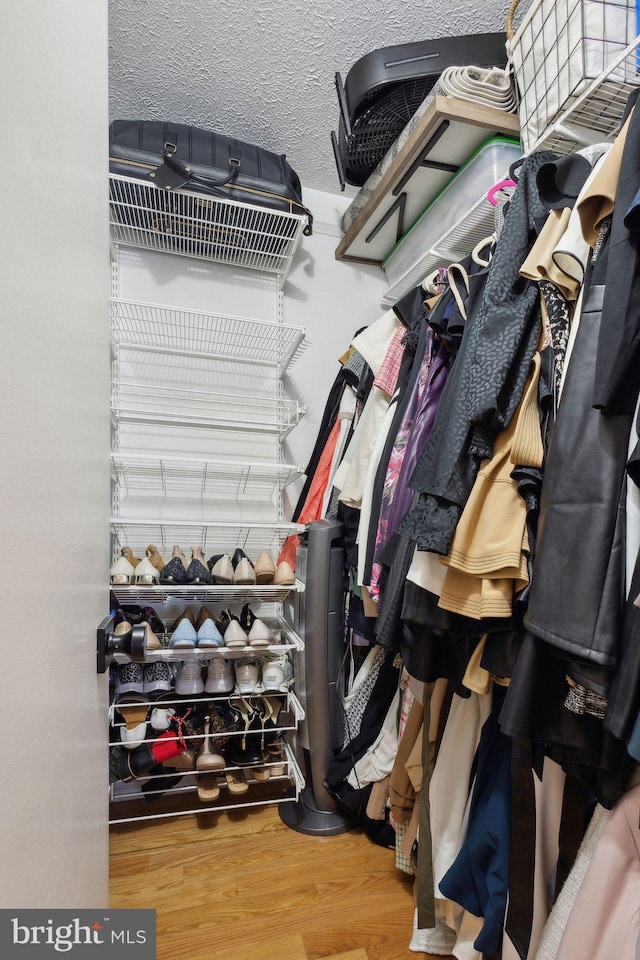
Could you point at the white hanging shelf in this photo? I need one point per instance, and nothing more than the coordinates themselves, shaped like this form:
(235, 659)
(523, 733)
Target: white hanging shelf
(194, 333)
(208, 228)
(153, 475)
(181, 407)
(213, 536)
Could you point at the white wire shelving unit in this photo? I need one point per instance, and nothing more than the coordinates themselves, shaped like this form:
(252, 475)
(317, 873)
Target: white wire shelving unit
(162, 477)
(204, 382)
(208, 228)
(164, 405)
(164, 595)
(156, 327)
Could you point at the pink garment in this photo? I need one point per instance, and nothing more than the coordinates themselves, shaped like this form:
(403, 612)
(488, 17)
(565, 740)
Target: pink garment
(388, 373)
(604, 923)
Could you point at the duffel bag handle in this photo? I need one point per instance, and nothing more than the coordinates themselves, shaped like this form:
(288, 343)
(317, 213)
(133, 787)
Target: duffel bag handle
(175, 173)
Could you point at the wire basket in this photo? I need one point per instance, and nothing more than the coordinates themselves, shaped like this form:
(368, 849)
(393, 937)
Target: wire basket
(560, 49)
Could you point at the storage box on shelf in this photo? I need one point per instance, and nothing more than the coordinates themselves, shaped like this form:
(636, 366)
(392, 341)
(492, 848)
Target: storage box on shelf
(462, 206)
(190, 390)
(446, 136)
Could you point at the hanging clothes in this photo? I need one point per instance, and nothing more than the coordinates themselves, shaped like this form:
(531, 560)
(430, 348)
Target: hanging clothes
(487, 380)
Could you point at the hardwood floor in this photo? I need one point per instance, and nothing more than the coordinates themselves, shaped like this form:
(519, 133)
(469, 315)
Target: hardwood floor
(240, 885)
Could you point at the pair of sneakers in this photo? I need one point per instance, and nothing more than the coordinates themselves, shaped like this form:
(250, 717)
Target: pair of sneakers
(143, 678)
(263, 675)
(190, 677)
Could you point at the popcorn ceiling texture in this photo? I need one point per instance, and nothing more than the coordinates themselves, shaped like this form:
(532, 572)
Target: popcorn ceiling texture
(263, 70)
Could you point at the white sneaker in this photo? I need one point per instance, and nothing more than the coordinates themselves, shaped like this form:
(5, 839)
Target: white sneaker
(189, 678)
(219, 676)
(161, 718)
(277, 674)
(247, 676)
(133, 737)
(130, 678)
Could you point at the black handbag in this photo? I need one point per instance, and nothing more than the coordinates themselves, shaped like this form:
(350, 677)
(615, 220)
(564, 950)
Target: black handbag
(175, 156)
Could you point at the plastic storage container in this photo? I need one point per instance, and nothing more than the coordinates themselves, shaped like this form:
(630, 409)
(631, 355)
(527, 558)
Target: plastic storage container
(458, 218)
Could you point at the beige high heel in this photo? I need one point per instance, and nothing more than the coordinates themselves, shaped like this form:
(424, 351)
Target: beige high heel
(146, 573)
(284, 575)
(207, 757)
(265, 568)
(154, 557)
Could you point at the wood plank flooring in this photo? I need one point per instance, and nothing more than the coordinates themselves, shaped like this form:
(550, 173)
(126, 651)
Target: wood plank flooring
(240, 885)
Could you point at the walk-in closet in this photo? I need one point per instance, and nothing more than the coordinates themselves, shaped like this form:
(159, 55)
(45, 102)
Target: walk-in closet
(321, 488)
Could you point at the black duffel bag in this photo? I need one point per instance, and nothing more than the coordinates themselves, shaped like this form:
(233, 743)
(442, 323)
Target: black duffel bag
(175, 156)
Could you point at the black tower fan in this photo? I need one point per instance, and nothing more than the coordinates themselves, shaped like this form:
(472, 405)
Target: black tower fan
(384, 89)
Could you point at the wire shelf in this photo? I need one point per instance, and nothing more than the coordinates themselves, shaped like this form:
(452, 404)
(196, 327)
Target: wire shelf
(159, 476)
(457, 242)
(204, 594)
(213, 536)
(292, 710)
(126, 799)
(194, 333)
(207, 228)
(290, 640)
(182, 407)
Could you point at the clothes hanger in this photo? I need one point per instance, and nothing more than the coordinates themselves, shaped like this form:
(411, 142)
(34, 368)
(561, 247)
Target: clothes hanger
(500, 187)
(486, 244)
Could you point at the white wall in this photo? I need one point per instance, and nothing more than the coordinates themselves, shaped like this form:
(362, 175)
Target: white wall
(54, 376)
(331, 300)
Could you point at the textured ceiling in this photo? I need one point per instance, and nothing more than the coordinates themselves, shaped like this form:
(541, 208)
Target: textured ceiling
(262, 71)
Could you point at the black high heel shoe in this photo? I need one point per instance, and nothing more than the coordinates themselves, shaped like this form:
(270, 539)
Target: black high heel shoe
(197, 571)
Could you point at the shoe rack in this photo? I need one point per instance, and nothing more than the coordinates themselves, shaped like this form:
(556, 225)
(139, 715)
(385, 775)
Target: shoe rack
(193, 391)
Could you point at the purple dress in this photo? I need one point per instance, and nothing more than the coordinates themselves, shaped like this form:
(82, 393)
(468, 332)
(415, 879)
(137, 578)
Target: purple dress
(412, 436)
